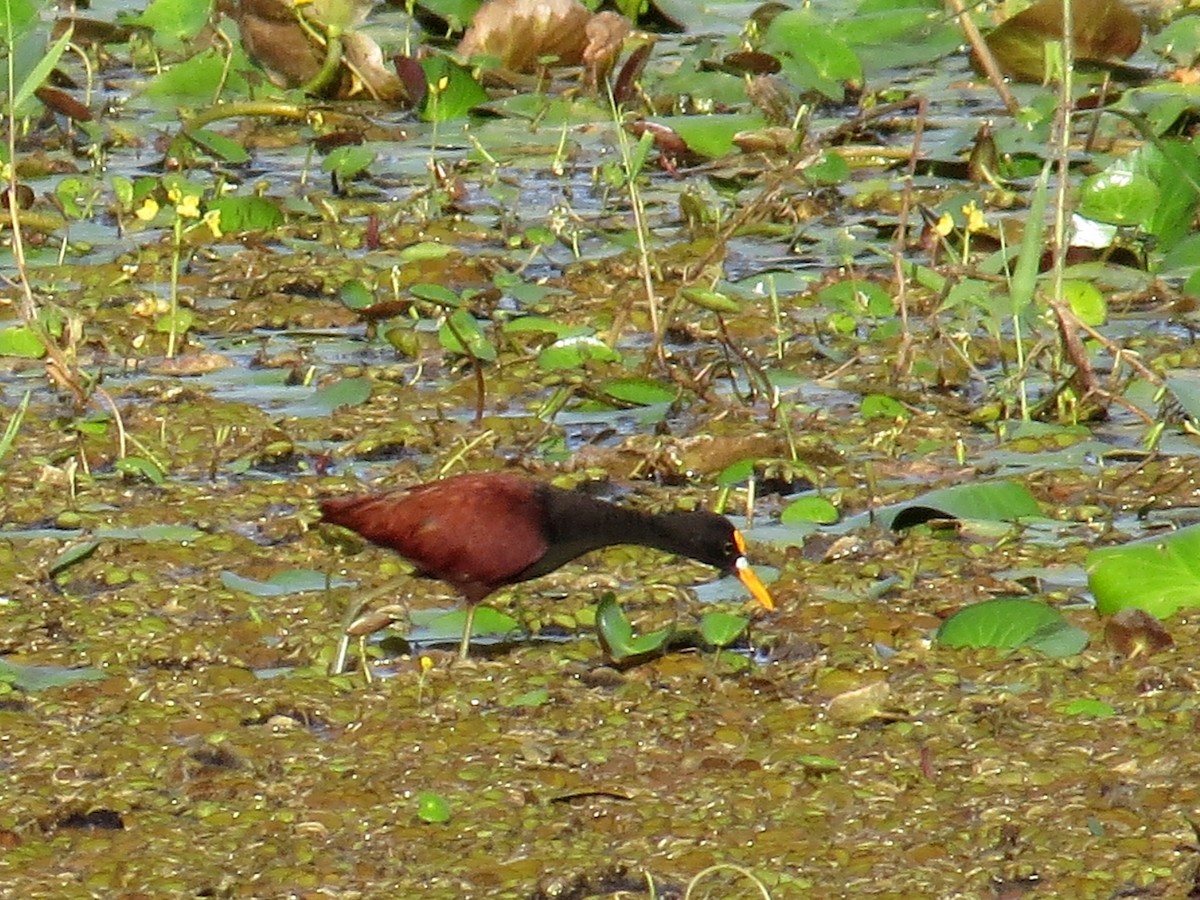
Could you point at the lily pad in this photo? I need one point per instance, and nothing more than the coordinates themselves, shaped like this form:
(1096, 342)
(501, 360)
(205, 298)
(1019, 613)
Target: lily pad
(616, 633)
(1160, 575)
(1011, 622)
(291, 581)
(39, 678)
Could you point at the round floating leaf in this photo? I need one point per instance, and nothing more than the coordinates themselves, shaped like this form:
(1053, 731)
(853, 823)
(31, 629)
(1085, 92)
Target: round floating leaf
(39, 678)
(349, 161)
(356, 295)
(325, 401)
(436, 293)
(21, 342)
(438, 627)
(290, 581)
(810, 509)
(432, 808)
(1118, 196)
(573, 352)
(218, 145)
(1086, 301)
(992, 501)
(881, 406)
(1092, 709)
(242, 214)
(641, 391)
(1160, 575)
(712, 136)
(1006, 623)
(737, 473)
(721, 629)
(137, 465)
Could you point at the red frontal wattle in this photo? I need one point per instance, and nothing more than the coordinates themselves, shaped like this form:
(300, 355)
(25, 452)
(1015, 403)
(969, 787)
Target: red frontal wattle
(478, 532)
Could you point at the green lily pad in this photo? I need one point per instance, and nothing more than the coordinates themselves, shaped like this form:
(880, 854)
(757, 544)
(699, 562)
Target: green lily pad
(616, 633)
(1160, 575)
(721, 629)
(810, 509)
(39, 678)
(432, 808)
(290, 581)
(993, 501)
(1011, 622)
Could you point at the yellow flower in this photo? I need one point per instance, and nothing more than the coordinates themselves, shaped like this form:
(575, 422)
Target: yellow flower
(188, 207)
(212, 219)
(148, 210)
(974, 216)
(944, 225)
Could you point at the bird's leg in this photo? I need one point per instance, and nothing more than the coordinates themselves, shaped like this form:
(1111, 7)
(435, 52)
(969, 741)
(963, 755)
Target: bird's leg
(465, 645)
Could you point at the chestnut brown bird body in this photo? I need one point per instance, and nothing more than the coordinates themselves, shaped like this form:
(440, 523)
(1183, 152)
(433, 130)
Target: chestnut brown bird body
(480, 532)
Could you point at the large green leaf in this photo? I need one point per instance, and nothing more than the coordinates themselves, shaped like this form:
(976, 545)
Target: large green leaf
(1160, 575)
(1008, 623)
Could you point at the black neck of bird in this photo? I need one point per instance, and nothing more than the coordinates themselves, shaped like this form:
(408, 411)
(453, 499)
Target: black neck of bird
(577, 524)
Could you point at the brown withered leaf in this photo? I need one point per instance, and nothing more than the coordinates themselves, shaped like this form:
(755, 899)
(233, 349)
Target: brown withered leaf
(606, 33)
(292, 51)
(1102, 31)
(1134, 632)
(523, 33)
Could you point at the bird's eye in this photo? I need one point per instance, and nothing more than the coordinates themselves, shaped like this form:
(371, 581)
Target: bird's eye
(730, 548)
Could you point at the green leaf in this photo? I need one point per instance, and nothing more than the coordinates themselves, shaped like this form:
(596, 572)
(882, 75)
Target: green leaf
(712, 136)
(616, 633)
(243, 214)
(1160, 575)
(194, 80)
(1086, 301)
(218, 146)
(290, 581)
(37, 76)
(349, 161)
(432, 808)
(737, 473)
(174, 23)
(332, 397)
(39, 678)
(72, 555)
(993, 501)
(437, 293)
(14, 426)
(1118, 196)
(533, 698)
(857, 296)
(137, 465)
(1093, 709)
(810, 509)
(641, 391)
(1005, 623)
(21, 341)
(461, 327)
(881, 406)
(453, 92)
(179, 322)
(574, 352)
(721, 629)
(436, 626)
(355, 295)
